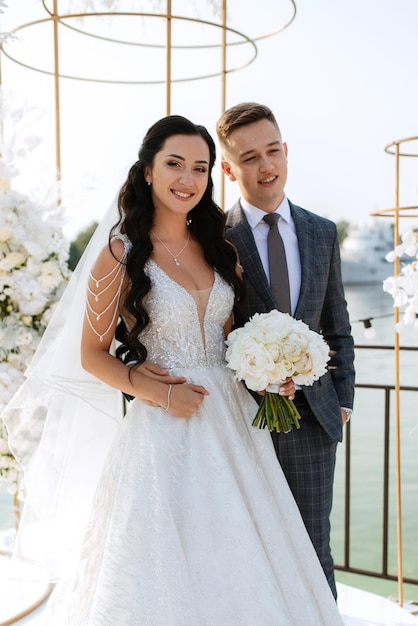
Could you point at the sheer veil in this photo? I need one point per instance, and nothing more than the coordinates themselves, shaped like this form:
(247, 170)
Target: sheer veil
(61, 423)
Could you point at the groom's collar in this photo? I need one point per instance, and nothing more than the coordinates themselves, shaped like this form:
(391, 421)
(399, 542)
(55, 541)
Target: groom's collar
(254, 215)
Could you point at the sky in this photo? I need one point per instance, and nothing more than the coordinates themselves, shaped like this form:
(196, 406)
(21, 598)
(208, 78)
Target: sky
(342, 80)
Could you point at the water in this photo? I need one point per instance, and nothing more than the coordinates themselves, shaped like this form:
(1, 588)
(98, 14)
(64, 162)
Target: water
(378, 367)
(367, 452)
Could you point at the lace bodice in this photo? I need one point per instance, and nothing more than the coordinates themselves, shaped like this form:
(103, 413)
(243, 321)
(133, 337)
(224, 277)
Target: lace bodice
(172, 309)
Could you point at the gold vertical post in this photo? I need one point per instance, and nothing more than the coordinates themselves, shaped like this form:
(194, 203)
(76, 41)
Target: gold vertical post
(394, 148)
(16, 508)
(223, 92)
(168, 60)
(397, 396)
(223, 85)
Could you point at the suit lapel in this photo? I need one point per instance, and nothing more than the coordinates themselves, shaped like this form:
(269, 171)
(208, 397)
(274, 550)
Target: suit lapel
(306, 243)
(240, 234)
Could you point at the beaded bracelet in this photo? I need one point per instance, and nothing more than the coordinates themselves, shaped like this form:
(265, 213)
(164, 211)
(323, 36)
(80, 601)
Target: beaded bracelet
(168, 398)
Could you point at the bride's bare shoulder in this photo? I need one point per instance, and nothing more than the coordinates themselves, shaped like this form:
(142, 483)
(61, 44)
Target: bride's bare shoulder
(112, 254)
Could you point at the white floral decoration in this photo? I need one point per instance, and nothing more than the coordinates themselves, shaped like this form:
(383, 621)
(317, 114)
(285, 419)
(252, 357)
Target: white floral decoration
(33, 275)
(33, 270)
(272, 346)
(265, 351)
(404, 287)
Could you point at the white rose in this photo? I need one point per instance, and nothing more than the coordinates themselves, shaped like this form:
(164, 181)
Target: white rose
(24, 338)
(50, 275)
(275, 325)
(303, 371)
(12, 260)
(34, 266)
(7, 337)
(4, 448)
(280, 371)
(35, 250)
(272, 346)
(5, 234)
(292, 347)
(254, 366)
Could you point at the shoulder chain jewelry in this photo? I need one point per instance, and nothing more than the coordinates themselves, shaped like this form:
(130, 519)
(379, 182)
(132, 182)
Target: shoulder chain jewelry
(119, 270)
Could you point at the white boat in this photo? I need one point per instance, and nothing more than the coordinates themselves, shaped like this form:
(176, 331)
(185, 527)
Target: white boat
(363, 254)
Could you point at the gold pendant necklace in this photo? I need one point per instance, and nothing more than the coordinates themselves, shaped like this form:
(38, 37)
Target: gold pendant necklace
(174, 256)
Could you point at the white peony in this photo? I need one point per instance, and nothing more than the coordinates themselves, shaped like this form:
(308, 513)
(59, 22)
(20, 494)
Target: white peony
(34, 266)
(35, 250)
(51, 276)
(33, 275)
(4, 449)
(5, 234)
(269, 348)
(273, 346)
(12, 261)
(404, 287)
(33, 270)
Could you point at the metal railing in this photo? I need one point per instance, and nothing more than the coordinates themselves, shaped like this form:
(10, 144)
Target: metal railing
(346, 566)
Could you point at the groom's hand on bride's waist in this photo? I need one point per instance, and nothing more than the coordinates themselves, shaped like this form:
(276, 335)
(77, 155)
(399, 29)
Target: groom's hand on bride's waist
(160, 373)
(152, 370)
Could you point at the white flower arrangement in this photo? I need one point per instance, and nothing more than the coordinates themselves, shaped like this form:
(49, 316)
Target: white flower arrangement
(404, 287)
(33, 275)
(33, 265)
(269, 348)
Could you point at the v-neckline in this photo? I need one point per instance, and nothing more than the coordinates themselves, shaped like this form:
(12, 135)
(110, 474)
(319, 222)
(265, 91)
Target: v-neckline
(177, 283)
(200, 321)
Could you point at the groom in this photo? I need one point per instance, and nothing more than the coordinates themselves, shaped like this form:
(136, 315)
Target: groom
(254, 155)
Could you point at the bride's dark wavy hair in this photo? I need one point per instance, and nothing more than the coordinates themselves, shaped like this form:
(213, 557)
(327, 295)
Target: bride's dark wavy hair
(206, 223)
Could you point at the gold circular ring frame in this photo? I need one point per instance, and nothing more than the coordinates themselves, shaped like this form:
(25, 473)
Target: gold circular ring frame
(394, 149)
(65, 22)
(391, 147)
(31, 607)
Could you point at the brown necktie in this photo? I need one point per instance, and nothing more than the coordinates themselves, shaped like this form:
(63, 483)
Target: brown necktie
(279, 277)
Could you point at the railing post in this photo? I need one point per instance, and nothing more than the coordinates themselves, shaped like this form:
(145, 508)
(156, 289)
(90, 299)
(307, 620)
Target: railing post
(385, 537)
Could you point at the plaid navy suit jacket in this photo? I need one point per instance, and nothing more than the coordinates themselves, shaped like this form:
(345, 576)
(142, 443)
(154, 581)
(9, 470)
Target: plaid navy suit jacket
(321, 304)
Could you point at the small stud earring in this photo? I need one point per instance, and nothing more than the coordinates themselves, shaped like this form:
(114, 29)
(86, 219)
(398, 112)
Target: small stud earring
(148, 182)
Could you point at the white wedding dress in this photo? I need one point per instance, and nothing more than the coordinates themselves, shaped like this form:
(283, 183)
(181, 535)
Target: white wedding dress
(193, 522)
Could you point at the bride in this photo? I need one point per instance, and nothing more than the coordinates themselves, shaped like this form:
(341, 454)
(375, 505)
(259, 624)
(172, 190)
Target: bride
(178, 513)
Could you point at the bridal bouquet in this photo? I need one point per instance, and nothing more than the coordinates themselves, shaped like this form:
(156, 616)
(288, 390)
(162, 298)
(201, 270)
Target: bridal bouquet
(266, 350)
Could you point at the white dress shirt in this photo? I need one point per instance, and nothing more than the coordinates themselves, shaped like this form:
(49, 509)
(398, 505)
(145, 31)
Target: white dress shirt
(287, 231)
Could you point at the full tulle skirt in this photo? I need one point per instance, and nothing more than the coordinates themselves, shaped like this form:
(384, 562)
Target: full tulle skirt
(193, 524)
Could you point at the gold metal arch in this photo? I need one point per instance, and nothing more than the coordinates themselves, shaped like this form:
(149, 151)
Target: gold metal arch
(397, 211)
(394, 147)
(60, 19)
(276, 31)
(57, 19)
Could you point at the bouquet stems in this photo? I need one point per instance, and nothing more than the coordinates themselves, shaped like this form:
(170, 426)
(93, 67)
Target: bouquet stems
(277, 413)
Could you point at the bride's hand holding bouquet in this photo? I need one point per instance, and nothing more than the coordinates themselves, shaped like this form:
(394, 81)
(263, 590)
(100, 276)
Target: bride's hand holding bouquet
(269, 348)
